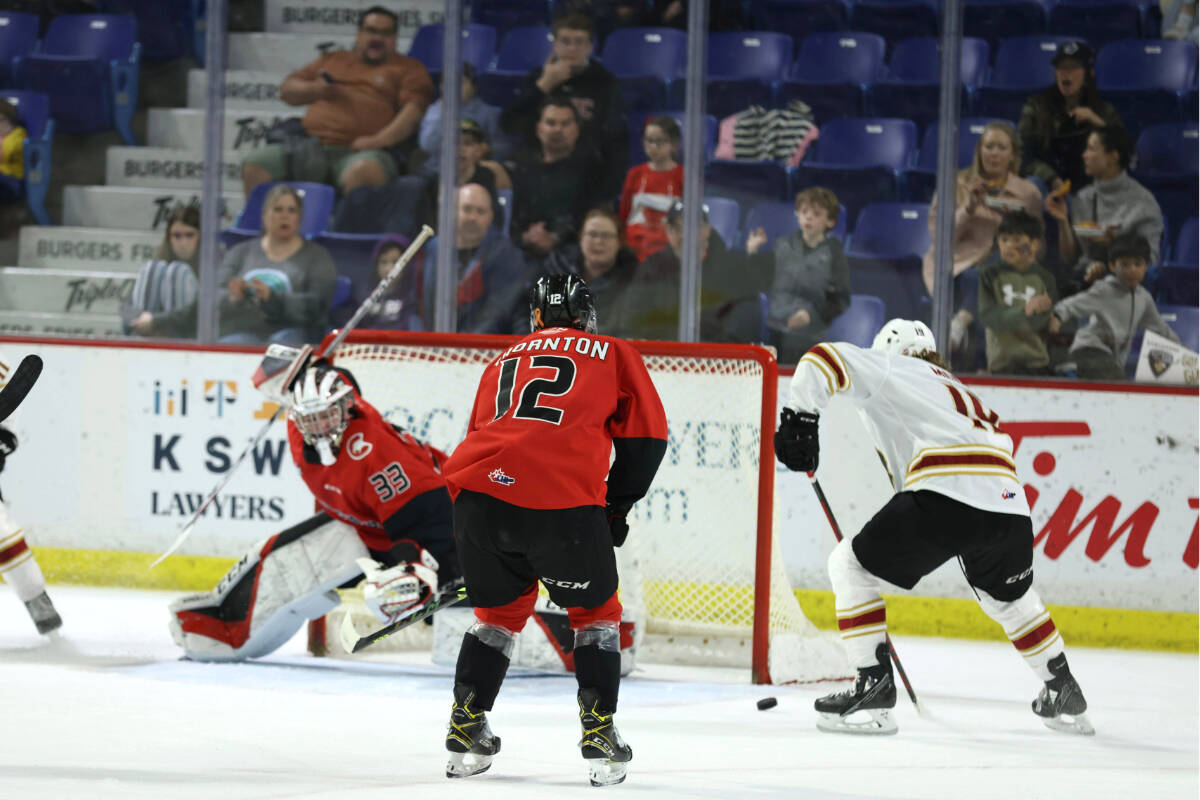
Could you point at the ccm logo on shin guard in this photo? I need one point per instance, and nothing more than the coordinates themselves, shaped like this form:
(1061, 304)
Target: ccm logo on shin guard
(566, 584)
(1016, 578)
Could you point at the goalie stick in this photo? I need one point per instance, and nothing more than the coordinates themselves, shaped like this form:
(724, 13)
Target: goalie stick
(372, 299)
(837, 533)
(18, 386)
(352, 642)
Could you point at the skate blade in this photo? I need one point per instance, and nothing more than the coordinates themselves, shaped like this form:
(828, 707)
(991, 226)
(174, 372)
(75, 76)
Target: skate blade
(464, 765)
(878, 722)
(1078, 725)
(602, 772)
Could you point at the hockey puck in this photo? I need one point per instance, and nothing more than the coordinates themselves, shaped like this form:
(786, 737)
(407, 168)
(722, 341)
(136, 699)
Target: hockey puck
(767, 702)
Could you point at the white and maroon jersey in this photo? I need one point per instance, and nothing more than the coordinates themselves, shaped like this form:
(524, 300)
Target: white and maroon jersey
(931, 431)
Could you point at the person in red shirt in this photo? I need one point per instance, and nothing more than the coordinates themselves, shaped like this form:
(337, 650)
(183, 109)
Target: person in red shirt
(385, 513)
(531, 504)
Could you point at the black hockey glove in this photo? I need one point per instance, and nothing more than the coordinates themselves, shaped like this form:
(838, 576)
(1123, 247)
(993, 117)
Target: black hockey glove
(8, 444)
(796, 444)
(618, 528)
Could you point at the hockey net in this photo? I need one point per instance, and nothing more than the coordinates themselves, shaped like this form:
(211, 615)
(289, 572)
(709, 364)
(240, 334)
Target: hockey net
(709, 571)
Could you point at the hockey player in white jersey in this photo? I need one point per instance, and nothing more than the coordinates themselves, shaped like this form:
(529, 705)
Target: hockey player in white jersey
(957, 495)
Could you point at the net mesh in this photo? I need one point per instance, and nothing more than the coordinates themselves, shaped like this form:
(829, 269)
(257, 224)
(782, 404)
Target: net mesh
(693, 537)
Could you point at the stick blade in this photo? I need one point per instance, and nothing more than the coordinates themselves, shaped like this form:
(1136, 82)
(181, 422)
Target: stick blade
(18, 386)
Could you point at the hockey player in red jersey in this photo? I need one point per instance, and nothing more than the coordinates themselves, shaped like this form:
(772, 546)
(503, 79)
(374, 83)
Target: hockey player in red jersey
(17, 566)
(957, 495)
(531, 504)
(386, 514)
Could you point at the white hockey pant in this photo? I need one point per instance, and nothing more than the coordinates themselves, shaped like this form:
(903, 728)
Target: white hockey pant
(1028, 625)
(861, 616)
(17, 566)
(290, 583)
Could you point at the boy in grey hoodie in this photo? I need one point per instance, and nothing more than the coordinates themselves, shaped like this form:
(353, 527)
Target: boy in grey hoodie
(1116, 306)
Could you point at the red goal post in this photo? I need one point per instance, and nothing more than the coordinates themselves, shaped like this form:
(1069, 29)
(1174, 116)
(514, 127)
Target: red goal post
(709, 573)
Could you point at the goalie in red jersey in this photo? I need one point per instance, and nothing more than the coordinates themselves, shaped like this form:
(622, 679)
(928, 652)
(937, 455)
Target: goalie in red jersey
(386, 515)
(531, 504)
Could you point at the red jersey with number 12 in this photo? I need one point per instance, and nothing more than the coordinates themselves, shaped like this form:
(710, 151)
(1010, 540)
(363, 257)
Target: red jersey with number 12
(378, 470)
(546, 417)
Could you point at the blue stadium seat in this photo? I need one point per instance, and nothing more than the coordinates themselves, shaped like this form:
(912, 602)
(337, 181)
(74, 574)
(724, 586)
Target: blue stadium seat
(646, 93)
(637, 123)
(1175, 284)
(524, 48)
(1167, 166)
(88, 65)
(917, 185)
(1183, 320)
(859, 159)
(351, 254)
(1144, 78)
(996, 20)
(747, 182)
(1098, 21)
(895, 19)
(33, 109)
(18, 37)
(859, 323)
(630, 52)
(498, 87)
(830, 70)
(778, 219)
(891, 230)
(318, 206)
(1022, 66)
(799, 18)
(912, 88)
(166, 28)
(743, 67)
(1187, 248)
(724, 215)
(504, 198)
(504, 15)
(478, 46)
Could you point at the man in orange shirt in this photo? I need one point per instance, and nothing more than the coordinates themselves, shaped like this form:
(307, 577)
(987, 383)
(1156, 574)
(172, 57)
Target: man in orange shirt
(361, 104)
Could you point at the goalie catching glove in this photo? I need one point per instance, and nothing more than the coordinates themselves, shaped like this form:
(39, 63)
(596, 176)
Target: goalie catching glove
(392, 591)
(796, 444)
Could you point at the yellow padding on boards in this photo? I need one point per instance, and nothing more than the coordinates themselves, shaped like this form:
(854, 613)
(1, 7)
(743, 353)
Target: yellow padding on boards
(956, 618)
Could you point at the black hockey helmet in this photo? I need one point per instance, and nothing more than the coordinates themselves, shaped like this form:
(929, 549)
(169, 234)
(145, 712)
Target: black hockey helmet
(561, 301)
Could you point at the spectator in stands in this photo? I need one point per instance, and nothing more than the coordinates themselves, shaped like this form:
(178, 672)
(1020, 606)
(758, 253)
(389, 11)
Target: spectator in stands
(278, 287)
(163, 302)
(1016, 294)
(399, 309)
(571, 73)
(490, 269)
(984, 191)
(470, 107)
(730, 284)
(364, 108)
(1055, 122)
(1115, 307)
(12, 154)
(604, 263)
(1114, 203)
(554, 184)
(652, 188)
(812, 279)
(723, 15)
(1178, 20)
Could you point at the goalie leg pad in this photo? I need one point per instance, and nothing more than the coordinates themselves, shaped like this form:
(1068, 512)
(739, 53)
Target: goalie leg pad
(861, 614)
(1029, 627)
(269, 593)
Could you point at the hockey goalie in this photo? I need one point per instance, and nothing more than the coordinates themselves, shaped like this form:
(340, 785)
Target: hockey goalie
(385, 518)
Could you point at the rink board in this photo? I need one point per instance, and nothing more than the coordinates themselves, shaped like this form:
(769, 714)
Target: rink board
(130, 462)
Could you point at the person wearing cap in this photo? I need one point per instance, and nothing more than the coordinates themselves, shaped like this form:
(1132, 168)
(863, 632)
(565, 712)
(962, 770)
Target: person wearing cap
(1056, 121)
(470, 107)
(730, 283)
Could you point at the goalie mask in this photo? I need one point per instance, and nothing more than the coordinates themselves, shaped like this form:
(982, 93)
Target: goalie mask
(561, 301)
(321, 403)
(904, 337)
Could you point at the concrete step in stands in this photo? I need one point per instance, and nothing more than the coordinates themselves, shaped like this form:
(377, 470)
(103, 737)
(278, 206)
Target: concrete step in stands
(165, 167)
(245, 128)
(86, 249)
(284, 53)
(244, 89)
(62, 291)
(128, 207)
(36, 323)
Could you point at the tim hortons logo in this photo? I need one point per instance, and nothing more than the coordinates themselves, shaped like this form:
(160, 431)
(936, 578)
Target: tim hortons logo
(1064, 526)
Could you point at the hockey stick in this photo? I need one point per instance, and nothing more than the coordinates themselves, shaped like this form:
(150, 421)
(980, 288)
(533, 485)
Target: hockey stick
(448, 596)
(18, 386)
(372, 299)
(837, 532)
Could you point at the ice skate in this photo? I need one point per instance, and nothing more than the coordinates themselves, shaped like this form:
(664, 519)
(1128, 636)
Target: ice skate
(44, 616)
(469, 738)
(602, 746)
(872, 700)
(1060, 704)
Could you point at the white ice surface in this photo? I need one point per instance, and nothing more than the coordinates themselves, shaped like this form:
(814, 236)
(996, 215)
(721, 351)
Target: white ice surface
(109, 711)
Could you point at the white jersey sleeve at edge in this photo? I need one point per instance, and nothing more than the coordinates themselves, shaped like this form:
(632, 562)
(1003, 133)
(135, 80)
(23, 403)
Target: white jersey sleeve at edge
(842, 368)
